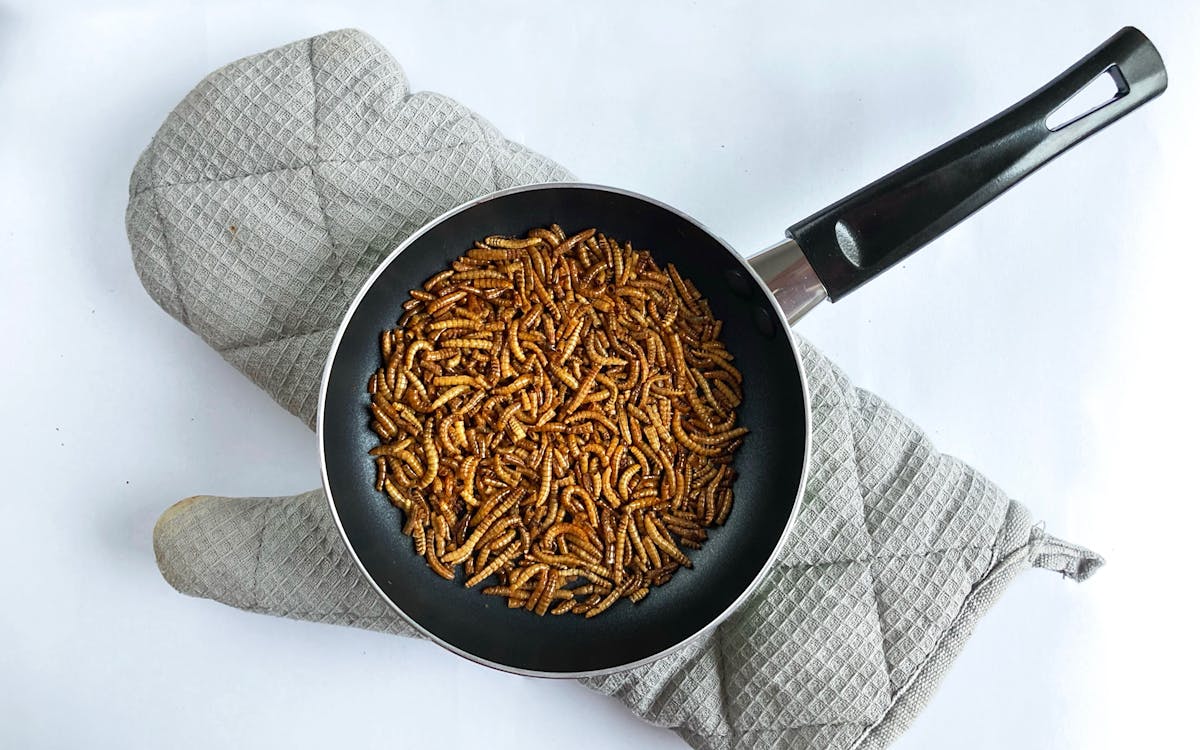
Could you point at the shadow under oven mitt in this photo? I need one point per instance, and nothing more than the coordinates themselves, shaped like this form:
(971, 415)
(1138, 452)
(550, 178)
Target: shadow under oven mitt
(259, 208)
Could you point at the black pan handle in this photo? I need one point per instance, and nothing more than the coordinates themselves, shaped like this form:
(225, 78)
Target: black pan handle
(850, 242)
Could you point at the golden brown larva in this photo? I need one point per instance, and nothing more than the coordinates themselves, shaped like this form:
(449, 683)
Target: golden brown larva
(558, 412)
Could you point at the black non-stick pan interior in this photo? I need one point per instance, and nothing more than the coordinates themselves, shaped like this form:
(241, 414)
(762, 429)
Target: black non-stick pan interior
(769, 464)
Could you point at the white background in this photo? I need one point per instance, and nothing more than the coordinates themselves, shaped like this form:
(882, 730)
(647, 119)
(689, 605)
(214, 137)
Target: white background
(1050, 341)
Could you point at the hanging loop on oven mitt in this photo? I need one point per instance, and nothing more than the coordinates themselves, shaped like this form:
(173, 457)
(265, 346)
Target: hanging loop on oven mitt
(260, 207)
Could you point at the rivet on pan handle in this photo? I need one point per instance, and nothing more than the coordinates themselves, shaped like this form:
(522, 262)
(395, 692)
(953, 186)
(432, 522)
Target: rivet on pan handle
(853, 240)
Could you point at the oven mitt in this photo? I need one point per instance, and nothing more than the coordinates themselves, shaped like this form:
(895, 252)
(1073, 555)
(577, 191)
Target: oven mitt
(262, 204)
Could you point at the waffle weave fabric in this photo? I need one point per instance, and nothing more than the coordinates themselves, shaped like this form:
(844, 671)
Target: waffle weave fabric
(259, 208)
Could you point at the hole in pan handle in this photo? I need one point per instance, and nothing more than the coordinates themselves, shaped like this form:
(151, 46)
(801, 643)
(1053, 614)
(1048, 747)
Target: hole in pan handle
(841, 247)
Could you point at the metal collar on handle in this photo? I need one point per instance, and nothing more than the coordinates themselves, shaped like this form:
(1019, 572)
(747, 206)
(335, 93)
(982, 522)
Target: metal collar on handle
(790, 277)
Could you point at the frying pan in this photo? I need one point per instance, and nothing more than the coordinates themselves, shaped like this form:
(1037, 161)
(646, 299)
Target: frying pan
(827, 255)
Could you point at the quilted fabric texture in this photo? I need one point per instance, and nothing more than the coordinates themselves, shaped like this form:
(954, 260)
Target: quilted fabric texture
(263, 202)
(280, 181)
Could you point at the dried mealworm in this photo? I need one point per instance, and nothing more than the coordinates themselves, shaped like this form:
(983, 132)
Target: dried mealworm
(509, 553)
(511, 243)
(533, 387)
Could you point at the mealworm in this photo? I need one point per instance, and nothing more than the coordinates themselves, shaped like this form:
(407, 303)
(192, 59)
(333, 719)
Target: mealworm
(511, 243)
(662, 540)
(457, 380)
(593, 416)
(463, 552)
(443, 302)
(467, 472)
(604, 603)
(509, 553)
(623, 481)
(556, 407)
(499, 534)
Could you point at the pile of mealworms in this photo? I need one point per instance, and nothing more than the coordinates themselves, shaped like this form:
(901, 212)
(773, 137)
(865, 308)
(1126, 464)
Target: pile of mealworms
(560, 413)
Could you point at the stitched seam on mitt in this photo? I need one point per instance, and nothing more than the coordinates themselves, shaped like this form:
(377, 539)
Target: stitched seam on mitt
(268, 342)
(162, 224)
(719, 636)
(873, 558)
(919, 670)
(491, 152)
(258, 558)
(773, 732)
(887, 668)
(310, 614)
(312, 70)
(308, 165)
(900, 557)
(750, 733)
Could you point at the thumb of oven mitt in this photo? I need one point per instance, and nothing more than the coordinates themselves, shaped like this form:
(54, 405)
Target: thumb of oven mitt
(262, 204)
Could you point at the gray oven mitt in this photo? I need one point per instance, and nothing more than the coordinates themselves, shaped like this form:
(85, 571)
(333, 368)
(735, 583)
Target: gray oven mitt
(257, 211)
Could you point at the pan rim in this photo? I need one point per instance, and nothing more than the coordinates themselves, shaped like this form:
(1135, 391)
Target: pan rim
(738, 601)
